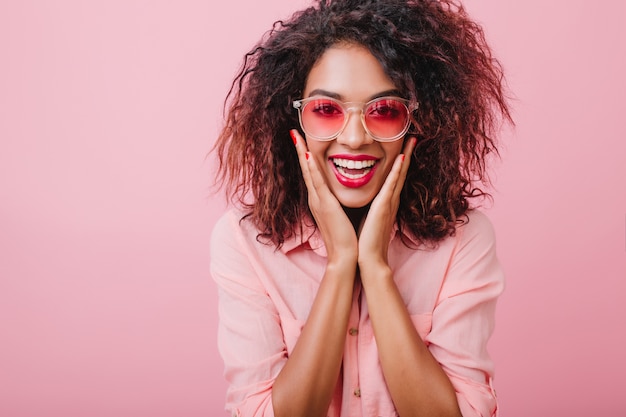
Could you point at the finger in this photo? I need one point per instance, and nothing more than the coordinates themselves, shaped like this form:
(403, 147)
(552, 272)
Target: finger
(300, 145)
(301, 150)
(387, 190)
(409, 146)
(317, 179)
(395, 176)
(395, 179)
(404, 160)
(313, 178)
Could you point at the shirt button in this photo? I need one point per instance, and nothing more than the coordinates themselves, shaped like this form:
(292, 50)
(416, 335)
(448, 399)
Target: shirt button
(357, 392)
(353, 331)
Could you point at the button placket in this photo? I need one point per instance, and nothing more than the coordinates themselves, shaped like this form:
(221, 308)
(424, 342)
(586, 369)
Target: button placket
(351, 385)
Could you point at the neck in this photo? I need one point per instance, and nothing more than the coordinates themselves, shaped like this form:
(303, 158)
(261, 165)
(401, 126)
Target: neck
(356, 215)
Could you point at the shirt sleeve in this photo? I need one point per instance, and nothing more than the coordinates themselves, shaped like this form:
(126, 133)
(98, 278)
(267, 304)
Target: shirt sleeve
(463, 319)
(250, 338)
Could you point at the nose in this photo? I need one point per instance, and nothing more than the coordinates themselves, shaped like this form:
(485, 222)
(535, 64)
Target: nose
(354, 134)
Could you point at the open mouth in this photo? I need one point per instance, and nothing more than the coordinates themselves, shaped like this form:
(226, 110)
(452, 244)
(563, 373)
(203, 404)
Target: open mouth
(352, 169)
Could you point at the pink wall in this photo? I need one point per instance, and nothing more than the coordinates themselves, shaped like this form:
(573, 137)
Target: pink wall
(106, 112)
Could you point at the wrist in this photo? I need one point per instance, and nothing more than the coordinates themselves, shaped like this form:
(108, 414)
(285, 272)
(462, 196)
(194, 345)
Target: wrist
(342, 264)
(343, 258)
(374, 269)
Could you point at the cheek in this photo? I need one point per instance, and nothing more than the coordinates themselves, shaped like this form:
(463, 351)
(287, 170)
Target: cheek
(392, 150)
(317, 150)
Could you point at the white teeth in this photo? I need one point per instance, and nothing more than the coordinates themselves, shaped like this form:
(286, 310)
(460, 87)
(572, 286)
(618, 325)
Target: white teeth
(343, 164)
(352, 164)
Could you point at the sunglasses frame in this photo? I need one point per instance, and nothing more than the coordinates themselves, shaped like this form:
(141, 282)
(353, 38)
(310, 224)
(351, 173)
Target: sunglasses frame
(349, 107)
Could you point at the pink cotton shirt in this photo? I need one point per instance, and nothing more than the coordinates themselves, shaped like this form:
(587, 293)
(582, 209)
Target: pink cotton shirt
(265, 295)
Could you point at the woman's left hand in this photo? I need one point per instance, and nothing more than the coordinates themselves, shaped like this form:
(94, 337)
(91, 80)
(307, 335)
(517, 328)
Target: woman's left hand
(376, 226)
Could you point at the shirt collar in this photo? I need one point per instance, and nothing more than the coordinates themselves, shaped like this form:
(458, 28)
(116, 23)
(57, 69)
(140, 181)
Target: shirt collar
(306, 234)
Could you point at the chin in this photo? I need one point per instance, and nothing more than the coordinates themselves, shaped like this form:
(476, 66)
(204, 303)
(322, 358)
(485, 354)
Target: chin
(354, 202)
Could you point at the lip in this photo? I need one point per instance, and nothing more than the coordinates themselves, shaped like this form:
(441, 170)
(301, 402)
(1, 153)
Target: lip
(359, 157)
(353, 182)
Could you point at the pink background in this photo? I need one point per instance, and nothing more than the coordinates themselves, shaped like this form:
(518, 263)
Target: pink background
(107, 109)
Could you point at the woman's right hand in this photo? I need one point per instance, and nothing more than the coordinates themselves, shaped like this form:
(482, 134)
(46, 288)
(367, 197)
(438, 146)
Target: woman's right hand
(337, 231)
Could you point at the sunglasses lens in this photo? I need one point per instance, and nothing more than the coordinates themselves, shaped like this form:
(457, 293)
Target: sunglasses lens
(322, 118)
(386, 118)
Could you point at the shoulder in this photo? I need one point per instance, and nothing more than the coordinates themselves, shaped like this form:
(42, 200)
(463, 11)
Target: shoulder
(225, 224)
(231, 231)
(474, 264)
(230, 224)
(223, 230)
(475, 241)
(234, 236)
(476, 228)
(232, 254)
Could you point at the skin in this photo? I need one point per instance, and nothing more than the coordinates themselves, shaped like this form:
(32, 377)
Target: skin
(351, 221)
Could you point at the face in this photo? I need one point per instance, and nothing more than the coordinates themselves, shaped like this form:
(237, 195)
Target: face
(354, 165)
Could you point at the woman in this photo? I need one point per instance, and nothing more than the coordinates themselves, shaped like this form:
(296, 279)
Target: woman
(354, 277)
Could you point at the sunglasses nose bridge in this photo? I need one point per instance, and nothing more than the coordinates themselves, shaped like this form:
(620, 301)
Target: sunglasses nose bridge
(354, 132)
(349, 109)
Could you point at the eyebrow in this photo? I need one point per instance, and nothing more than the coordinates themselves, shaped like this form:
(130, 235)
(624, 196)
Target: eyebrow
(321, 92)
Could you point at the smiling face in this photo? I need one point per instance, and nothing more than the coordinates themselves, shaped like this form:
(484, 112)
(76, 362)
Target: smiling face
(354, 165)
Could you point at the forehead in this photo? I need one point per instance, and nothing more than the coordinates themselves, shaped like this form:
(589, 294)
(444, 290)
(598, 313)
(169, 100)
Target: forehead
(350, 71)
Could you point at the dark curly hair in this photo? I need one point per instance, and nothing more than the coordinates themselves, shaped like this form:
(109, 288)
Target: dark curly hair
(433, 52)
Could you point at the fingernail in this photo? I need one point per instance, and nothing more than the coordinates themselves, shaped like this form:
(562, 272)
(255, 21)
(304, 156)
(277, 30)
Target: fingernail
(293, 137)
(402, 157)
(307, 155)
(414, 141)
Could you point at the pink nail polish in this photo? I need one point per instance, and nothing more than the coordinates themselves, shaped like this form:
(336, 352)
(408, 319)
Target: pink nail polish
(293, 137)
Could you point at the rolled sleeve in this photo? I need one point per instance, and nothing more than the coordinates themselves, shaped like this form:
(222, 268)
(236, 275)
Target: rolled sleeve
(463, 319)
(250, 338)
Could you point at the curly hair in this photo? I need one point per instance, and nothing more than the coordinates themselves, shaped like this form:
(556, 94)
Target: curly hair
(433, 52)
